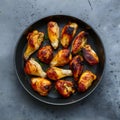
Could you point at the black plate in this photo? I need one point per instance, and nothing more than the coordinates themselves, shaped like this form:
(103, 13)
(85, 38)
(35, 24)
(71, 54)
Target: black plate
(93, 39)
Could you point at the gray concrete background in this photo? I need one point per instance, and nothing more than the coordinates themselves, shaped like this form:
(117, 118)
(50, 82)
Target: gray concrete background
(103, 16)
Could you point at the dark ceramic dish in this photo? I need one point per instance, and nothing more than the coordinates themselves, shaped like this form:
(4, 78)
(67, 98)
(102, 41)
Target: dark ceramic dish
(54, 98)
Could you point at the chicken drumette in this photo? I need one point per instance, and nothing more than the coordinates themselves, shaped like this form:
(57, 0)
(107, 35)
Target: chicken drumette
(35, 39)
(65, 88)
(76, 65)
(62, 58)
(90, 55)
(45, 54)
(34, 68)
(86, 80)
(68, 33)
(55, 73)
(53, 34)
(79, 41)
(41, 85)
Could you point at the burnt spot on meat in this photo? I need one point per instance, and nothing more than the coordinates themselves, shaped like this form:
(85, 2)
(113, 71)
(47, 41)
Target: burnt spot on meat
(69, 30)
(47, 87)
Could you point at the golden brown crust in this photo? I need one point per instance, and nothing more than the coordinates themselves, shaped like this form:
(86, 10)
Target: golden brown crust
(45, 54)
(35, 39)
(33, 68)
(41, 85)
(76, 65)
(68, 33)
(65, 88)
(86, 80)
(53, 34)
(79, 41)
(62, 58)
(55, 73)
(90, 55)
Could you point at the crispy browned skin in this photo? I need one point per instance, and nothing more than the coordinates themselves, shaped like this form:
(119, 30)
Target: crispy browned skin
(45, 54)
(90, 55)
(79, 41)
(76, 65)
(62, 58)
(55, 73)
(41, 85)
(86, 80)
(68, 33)
(33, 68)
(53, 34)
(65, 88)
(35, 39)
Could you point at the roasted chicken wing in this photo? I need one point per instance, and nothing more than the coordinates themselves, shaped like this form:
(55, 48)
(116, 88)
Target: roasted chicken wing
(76, 65)
(68, 33)
(35, 39)
(62, 58)
(65, 88)
(55, 73)
(34, 68)
(41, 85)
(53, 34)
(79, 41)
(45, 54)
(90, 55)
(86, 80)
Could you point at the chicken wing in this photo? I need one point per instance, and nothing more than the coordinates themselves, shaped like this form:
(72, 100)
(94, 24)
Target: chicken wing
(53, 34)
(45, 54)
(68, 33)
(35, 39)
(79, 41)
(55, 73)
(76, 65)
(86, 80)
(34, 68)
(62, 58)
(90, 55)
(65, 88)
(41, 85)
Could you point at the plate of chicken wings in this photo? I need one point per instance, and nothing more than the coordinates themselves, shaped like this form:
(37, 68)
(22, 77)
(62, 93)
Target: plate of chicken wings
(59, 60)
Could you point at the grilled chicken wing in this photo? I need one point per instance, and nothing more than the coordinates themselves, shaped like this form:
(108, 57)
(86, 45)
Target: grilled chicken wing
(35, 39)
(68, 33)
(33, 68)
(90, 55)
(76, 65)
(62, 58)
(53, 34)
(65, 88)
(41, 85)
(86, 80)
(45, 54)
(55, 73)
(79, 41)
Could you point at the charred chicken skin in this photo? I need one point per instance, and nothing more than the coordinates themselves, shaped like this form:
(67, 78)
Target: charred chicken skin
(79, 41)
(35, 39)
(86, 80)
(68, 33)
(90, 55)
(34, 68)
(55, 73)
(45, 54)
(64, 88)
(62, 58)
(53, 34)
(41, 85)
(76, 65)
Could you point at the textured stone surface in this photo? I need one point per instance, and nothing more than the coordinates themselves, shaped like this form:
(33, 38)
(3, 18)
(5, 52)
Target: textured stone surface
(103, 16)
